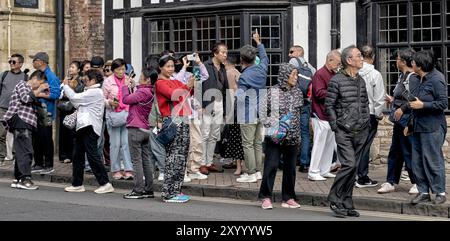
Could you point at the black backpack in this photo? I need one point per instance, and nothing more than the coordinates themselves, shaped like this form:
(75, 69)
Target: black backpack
(305, 75)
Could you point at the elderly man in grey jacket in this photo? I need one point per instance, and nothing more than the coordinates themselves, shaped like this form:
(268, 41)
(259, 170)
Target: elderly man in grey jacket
(376, 94)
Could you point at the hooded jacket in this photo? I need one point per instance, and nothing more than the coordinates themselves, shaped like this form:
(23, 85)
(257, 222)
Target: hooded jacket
(375, 89)
(281, 100)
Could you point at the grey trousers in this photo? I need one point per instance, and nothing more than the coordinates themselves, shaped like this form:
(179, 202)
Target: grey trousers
(2, 136)
(139, 142)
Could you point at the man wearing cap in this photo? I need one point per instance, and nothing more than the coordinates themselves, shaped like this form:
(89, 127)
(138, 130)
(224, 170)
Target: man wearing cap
(43, 136)
(97, 63)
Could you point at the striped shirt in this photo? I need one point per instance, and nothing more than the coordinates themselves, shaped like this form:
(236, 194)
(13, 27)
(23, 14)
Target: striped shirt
(22, 104)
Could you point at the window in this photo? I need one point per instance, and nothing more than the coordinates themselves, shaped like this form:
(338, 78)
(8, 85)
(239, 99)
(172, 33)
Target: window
(393, 23)
(269, 28)
(159, 36)
(206, 33)
(182, 29)
(230, 31)
(201, 33)
(426, 28)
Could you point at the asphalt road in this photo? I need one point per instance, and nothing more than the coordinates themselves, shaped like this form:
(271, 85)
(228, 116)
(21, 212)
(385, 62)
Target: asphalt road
(51, 203)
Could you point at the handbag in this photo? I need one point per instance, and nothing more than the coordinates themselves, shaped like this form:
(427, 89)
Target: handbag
(168, 132)
(404, 120)
(70, 121)
(117, 119)
(65, 105)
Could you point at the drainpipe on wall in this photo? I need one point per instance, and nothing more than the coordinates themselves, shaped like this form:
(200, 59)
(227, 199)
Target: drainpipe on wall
(60, 39)
(334, 28)
(9, 28)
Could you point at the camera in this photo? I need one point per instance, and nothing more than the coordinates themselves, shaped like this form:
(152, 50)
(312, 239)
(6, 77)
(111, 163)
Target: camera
(408, 96)
(191, 57)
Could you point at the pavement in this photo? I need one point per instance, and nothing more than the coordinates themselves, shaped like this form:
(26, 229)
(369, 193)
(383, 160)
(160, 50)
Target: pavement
(50, 203)
(224, 185)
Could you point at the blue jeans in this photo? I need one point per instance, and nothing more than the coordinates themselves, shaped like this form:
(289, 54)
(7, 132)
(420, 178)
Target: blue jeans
(119, 148)
(428, 161)
(157, 153)
(400, 151)
(305, 148)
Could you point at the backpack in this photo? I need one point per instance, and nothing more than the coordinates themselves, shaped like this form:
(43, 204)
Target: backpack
(304, 81)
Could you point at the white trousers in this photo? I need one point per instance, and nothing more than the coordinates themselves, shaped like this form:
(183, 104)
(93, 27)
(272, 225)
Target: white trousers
(210, 128)
(9, 145)
(323, 147)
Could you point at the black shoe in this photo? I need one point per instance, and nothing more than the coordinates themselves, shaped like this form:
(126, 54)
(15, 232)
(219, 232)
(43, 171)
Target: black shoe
(133, 195)
(338, 210)
(148, 194)
(26, 184)
(440, 199)
(421, 198)
(365, 182)
(352, 213)
(37, 169)
(47, 171)
(303, 169)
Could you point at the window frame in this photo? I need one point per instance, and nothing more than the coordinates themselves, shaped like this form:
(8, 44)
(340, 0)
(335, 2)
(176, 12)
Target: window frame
(444, 43)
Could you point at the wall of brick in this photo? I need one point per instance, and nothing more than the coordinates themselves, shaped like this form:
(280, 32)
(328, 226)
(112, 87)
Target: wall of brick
(87, 38)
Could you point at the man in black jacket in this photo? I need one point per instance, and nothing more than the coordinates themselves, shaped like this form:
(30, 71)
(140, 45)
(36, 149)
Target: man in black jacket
(349, 117)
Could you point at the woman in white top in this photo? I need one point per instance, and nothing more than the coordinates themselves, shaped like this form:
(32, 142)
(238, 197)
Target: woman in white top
(90, 107)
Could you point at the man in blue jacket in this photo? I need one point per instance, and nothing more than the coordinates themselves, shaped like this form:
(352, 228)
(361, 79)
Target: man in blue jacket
(43, 136)
(252, 80)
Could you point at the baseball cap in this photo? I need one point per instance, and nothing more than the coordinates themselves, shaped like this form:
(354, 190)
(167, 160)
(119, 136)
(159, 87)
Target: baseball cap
(41, 56)
(97, 62)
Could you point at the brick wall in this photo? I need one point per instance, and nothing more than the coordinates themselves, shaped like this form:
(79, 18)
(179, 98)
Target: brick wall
(382, 142)
(87, 36)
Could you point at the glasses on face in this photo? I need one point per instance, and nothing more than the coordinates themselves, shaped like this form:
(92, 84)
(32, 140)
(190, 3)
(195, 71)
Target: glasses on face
(107, 70)
(291, 52)
(12, 62)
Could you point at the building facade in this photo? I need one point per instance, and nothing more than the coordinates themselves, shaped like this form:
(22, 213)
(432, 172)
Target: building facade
(29, 27)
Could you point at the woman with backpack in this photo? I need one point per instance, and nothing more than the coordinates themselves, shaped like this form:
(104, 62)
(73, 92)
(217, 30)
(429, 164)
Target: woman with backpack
(283, 126)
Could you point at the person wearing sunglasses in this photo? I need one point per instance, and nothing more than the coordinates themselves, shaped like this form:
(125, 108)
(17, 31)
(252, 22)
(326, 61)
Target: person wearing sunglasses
(9, 79)
(107, 70)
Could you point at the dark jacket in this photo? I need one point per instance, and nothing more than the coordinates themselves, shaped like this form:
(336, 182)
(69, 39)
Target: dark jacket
(432, 91)
(347, 103)
(213, 82)
(399, 99)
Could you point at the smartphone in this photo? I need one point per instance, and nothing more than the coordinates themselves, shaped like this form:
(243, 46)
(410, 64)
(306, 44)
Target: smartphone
(256, 31)
(191, 57)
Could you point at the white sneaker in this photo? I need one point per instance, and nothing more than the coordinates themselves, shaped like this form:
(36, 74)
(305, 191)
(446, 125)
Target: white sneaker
(258, 176)
(245, 178)
(161, 177)
(75, 189)
(197, 175)
(316, 177)
(414, 189)
(386, 188)
(107, 188)
(186, 179)
(329, 175)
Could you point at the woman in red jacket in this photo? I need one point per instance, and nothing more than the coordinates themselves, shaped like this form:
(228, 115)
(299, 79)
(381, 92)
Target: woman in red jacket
(171, 96)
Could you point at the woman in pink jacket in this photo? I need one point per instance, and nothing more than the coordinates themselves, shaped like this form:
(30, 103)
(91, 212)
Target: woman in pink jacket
(140, 101)
(119, 150)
